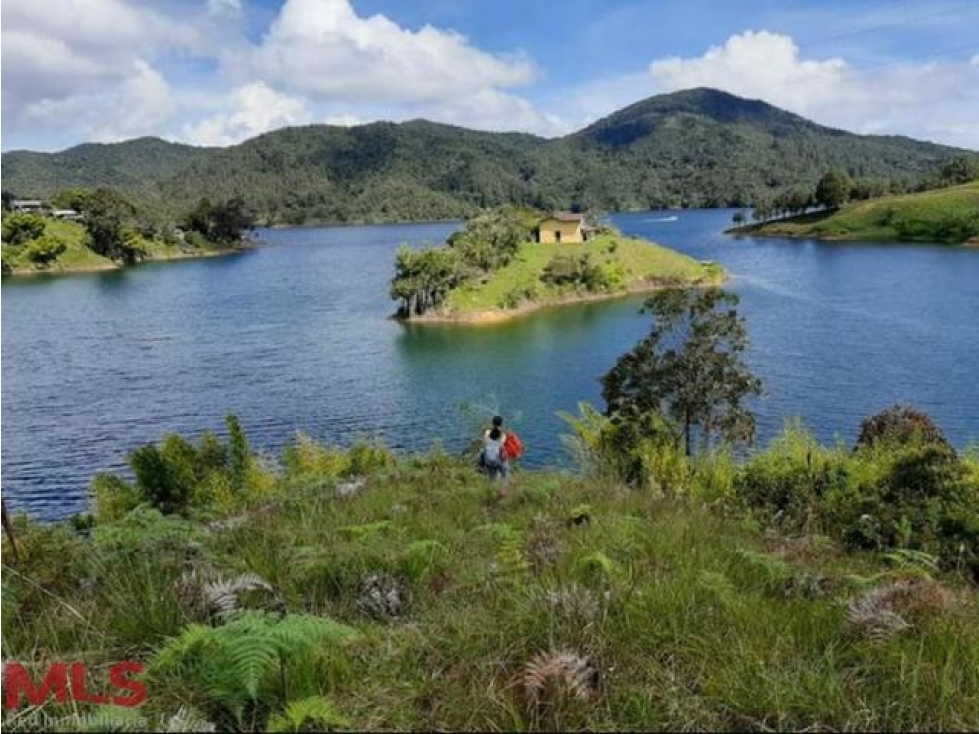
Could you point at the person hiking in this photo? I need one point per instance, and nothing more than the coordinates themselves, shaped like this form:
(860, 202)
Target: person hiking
(511, 441)
(492, 457)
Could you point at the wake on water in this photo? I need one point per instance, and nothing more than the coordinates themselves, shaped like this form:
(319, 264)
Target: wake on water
(662, 219)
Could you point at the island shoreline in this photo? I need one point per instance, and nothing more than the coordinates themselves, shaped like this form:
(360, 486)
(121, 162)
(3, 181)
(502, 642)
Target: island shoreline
(501, 316)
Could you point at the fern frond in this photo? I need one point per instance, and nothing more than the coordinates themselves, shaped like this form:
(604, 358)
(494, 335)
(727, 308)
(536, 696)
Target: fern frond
(222, 595)
(187, 720)
(559, 673)
(308, 714)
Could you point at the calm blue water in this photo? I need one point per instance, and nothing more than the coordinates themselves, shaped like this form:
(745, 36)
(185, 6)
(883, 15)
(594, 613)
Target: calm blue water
(294, 335)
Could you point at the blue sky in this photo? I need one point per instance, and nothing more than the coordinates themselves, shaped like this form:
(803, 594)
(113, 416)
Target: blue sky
(215, 72)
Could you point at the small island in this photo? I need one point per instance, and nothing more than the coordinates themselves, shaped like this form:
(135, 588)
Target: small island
(84, 230)
(509, 262)
(947, 215)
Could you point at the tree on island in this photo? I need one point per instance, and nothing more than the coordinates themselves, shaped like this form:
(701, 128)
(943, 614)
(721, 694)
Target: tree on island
(739, 218)
(221, 222)
(20, 227)
(423, 278)
(688, 370)
(833, 190)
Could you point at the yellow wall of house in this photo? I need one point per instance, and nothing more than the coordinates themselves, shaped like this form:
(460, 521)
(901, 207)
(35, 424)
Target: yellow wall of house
(570, 232)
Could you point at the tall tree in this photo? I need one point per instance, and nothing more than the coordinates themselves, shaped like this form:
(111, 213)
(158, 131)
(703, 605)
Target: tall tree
(689, 369)
(109, 221)
(833, 190)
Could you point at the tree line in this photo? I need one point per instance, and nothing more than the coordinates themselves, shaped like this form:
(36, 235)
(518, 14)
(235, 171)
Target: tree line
(837, 188)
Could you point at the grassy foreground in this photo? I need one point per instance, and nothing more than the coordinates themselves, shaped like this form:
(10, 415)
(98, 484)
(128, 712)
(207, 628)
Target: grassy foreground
(630, 264)
(78, 257)
(356, 590)
(948, 215)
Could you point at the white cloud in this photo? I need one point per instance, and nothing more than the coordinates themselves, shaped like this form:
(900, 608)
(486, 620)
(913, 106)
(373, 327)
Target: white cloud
(754, 65)
(931, 101)
(140, 105)
(84, 68)
(491, 109)
(323, 48)
(253, 109)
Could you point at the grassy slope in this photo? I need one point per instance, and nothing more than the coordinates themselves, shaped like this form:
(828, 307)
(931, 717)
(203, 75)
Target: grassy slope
(873, 220)
(694, 618)
(642, 264)
(79, 258)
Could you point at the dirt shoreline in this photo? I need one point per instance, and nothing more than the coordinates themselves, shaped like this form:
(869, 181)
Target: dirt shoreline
(499, 316)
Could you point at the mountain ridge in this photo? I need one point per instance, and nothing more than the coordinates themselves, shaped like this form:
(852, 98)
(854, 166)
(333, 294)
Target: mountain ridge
(698, 147)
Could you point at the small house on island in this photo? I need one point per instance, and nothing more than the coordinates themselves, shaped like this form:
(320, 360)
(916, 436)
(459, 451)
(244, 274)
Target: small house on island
(564, 228)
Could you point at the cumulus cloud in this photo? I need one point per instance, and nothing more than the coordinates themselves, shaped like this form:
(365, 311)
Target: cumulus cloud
(922, 100)
(321, 62)
(140, 105)
(85, 68)
(323, 48)
(253, 109)
(491, 109)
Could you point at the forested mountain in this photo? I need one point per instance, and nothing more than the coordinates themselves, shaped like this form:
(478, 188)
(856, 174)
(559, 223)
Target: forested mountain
(699, 147)
(136, 166)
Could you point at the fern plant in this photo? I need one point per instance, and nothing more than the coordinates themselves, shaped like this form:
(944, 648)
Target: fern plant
(233, 663)
(308, 714)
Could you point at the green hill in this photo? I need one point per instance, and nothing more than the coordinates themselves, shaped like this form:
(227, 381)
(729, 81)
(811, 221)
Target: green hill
(621, 264)
(135, 166)
(700, 147)
(949, 215)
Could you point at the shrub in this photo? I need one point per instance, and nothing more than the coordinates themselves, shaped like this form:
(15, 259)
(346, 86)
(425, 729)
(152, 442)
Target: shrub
(790, 477)
(578, 272)
(19, 228)
(44, 251)
(114, 497)
(899, 425)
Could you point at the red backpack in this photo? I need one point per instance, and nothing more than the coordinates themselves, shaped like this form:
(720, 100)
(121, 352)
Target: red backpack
(513, 445)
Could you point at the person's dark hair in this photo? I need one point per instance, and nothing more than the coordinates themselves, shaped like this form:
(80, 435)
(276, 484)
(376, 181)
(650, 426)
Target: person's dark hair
(495, 434)
(497, 421)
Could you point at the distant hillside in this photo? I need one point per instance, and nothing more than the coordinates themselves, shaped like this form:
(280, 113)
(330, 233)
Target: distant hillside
(136, 166)
(695, 148)
(945, 215)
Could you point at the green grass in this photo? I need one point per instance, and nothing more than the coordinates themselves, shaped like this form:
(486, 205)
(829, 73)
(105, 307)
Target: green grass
(690, 616)
(78, 257)
(944, 215)
(638, 262)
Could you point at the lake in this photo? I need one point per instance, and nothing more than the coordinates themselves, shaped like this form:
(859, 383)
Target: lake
(295, 336)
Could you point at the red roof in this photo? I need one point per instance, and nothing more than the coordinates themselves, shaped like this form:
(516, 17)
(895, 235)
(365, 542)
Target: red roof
(567, 217)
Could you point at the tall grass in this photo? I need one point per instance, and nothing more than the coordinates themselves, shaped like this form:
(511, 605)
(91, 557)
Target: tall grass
(553, 602)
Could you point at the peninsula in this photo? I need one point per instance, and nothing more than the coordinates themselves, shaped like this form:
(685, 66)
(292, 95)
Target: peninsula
(510, 262)
(947, 215)
(92, 230)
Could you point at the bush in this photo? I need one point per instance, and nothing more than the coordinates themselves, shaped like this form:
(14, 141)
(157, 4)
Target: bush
(578, 272)
(899, 425)
(44, 251)
(19, 228)
(789, 478)
(903, 487)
